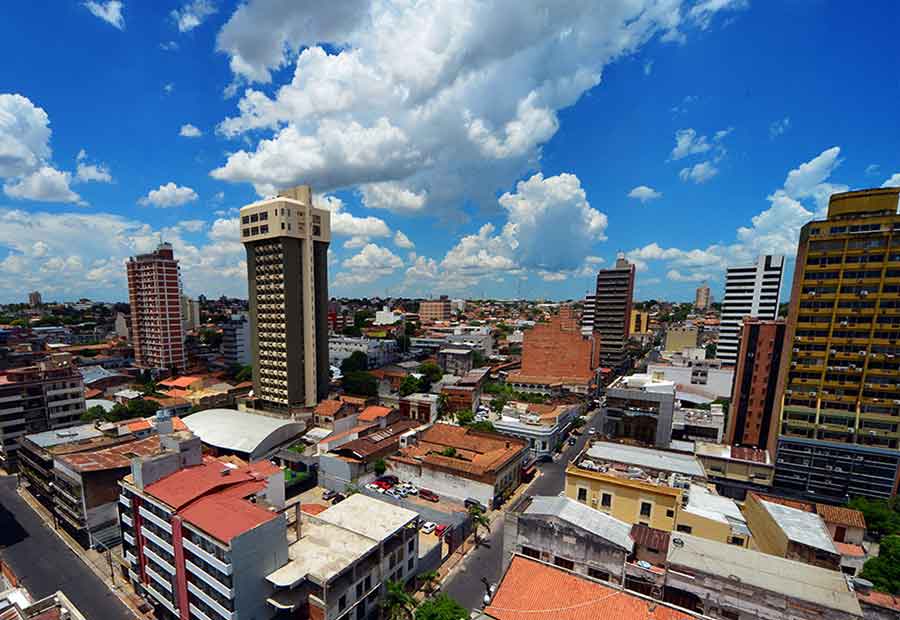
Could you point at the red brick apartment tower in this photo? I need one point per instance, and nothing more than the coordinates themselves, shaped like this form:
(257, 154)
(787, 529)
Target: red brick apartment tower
(557, 349)
(154, 292)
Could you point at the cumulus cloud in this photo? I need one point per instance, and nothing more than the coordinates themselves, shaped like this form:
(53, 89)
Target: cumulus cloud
(41, 249)
(644, 193)
(189, 131)
(91, 173)
(192, 225)
(110, 12)
(695, 276)
(687, 142)
(344, 223)
(894, 181)
(371, 263)
(703, 12)
(193, 14)
(168, 46)
(45, 184)
(698, 173)
(447, 102)
(402, 241)
(169, 195)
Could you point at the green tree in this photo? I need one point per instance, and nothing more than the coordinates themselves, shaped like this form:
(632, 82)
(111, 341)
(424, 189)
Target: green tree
(465, 417)
(379, 467)
(141, 408)
(484, 427)
(356, 362)
(449, 451)
(353, 331)
(410, 385)
(428, 581)
(884, 571)
(442, 405)
(711, 351)
(403, 343)
(94, 413)
(882, 516)
(432, 372)
(441, 607)
(478, 359)
(244, 374)
(499, 402)
(479, 522)
(360, 384)
(397, 603)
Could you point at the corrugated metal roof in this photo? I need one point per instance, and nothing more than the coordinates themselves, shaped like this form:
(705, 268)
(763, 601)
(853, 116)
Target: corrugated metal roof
(686, 464)
(234, 430)
(576, 513)
(806, 528)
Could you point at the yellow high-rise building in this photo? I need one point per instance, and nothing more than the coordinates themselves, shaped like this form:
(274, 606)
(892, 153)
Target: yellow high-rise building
(839, 383)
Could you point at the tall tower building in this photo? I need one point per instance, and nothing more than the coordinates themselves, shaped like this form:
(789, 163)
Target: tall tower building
(840, 379)
(701, 299)
(750, 290)
(34, 299)
(752, 421)
(154, 292)
(287, 239)
(588, 314)
(612, 311)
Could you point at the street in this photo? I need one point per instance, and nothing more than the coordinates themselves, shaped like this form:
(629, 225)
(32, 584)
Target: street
(486, 561)
(44, 564)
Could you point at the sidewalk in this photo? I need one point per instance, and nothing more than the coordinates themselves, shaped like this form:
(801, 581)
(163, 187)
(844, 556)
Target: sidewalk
(95, 560)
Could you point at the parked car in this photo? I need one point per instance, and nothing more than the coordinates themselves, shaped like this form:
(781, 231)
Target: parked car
(393, 493)
(391, 480)
(592, 431)
(374, 487)
(383, 485)
(440, 530)
(329, 494)
(411, 489)
(474, 503)
(430, 496)
(573, 441)
(337, 499)
(428, 527)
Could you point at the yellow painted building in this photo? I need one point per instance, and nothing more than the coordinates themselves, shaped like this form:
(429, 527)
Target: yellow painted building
(694, 510)
(640, 323)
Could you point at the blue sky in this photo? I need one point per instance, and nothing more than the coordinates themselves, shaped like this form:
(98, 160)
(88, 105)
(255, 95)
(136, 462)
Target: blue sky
(464, 148)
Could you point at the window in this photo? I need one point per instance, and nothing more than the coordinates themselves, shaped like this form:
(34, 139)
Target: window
(606, 500)
(410, 564)
(531, 553)
(411, 545)
(254, 217)
(564, 563)
(684, 528)
(359, 589)
(646, 507)
(264, 229)
(736, 540)
(245, 219)
(361, 611)
(670, 513)
(282, 226)
(368, 582)
(602, 575)
(582, 495)
(342, 603)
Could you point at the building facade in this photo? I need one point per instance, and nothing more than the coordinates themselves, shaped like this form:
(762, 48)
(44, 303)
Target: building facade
(236, 347)
(612, 313)
(701, 298)
(839, 382)
(379, 352)
(750, 290)
(679, 338)
(640, 408)
(34, 299)
(154, 294)
(752, 421)
(588, 311)
(287, 239)
(38, 398)
(190, 313)
(435, 310)
(640, 323)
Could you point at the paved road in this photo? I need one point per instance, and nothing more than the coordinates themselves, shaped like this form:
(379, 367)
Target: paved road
(487, 561)
(45, 564)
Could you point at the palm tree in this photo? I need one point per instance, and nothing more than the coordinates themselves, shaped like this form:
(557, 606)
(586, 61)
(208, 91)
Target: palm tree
(479, 521)
(429, 581)
(397, 603)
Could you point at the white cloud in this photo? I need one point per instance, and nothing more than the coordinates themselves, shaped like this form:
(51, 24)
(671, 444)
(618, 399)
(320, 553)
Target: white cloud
(450, 100)
(402, 241)
(648, 67)
(698, 173)
(703, 12)
(808, 180)
(189, 131)
(45, 184)
(687, 142)
(192, 225)
(24, 135)
(169, 195)
(371, 263)
(422, 268)
(696, 276)
(779, 127)
(110, 11)
(87, 173)
(168, 46)
(894, 181)
(392, 196)
(193, 14)
(644, 193)
(344, 223)
(872, 169)
(168, 88)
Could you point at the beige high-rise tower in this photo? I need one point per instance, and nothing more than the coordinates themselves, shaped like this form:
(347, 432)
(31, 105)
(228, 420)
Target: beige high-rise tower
(287, 239)
(701, 299)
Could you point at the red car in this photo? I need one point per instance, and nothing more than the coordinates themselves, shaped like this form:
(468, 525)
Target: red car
(431, 496)
(383, 484)
(440, 530)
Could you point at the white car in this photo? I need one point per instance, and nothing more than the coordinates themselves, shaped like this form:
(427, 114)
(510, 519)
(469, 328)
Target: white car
(410, 489)
(592, 431)
(428, 527)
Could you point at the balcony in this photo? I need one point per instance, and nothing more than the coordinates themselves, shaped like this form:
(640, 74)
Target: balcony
(206, 598)
(209, 579)
(159, 541)
(164, 525)
(226, 568)
(163, 563)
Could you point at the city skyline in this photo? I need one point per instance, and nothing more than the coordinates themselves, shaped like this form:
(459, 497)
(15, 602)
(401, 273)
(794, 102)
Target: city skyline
(526, 195)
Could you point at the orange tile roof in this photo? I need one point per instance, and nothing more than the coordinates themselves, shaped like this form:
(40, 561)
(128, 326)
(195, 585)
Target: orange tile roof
(92, 393)
(373, 412)
(177, 393)
(328, 408)
(180, 382)
(841, 515)
(790, 503)
(850, 550)
(313, 509)
(476, 453)
(534, 591)
(879, 599)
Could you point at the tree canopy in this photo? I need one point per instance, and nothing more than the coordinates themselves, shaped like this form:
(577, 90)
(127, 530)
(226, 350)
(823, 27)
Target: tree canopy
(360, 383)
(882, 516)
(356, 362)
(884, 571)
(441, 607)
(137, 408)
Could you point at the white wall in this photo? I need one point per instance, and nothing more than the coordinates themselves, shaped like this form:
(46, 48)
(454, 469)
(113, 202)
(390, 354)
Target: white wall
(444, 484)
